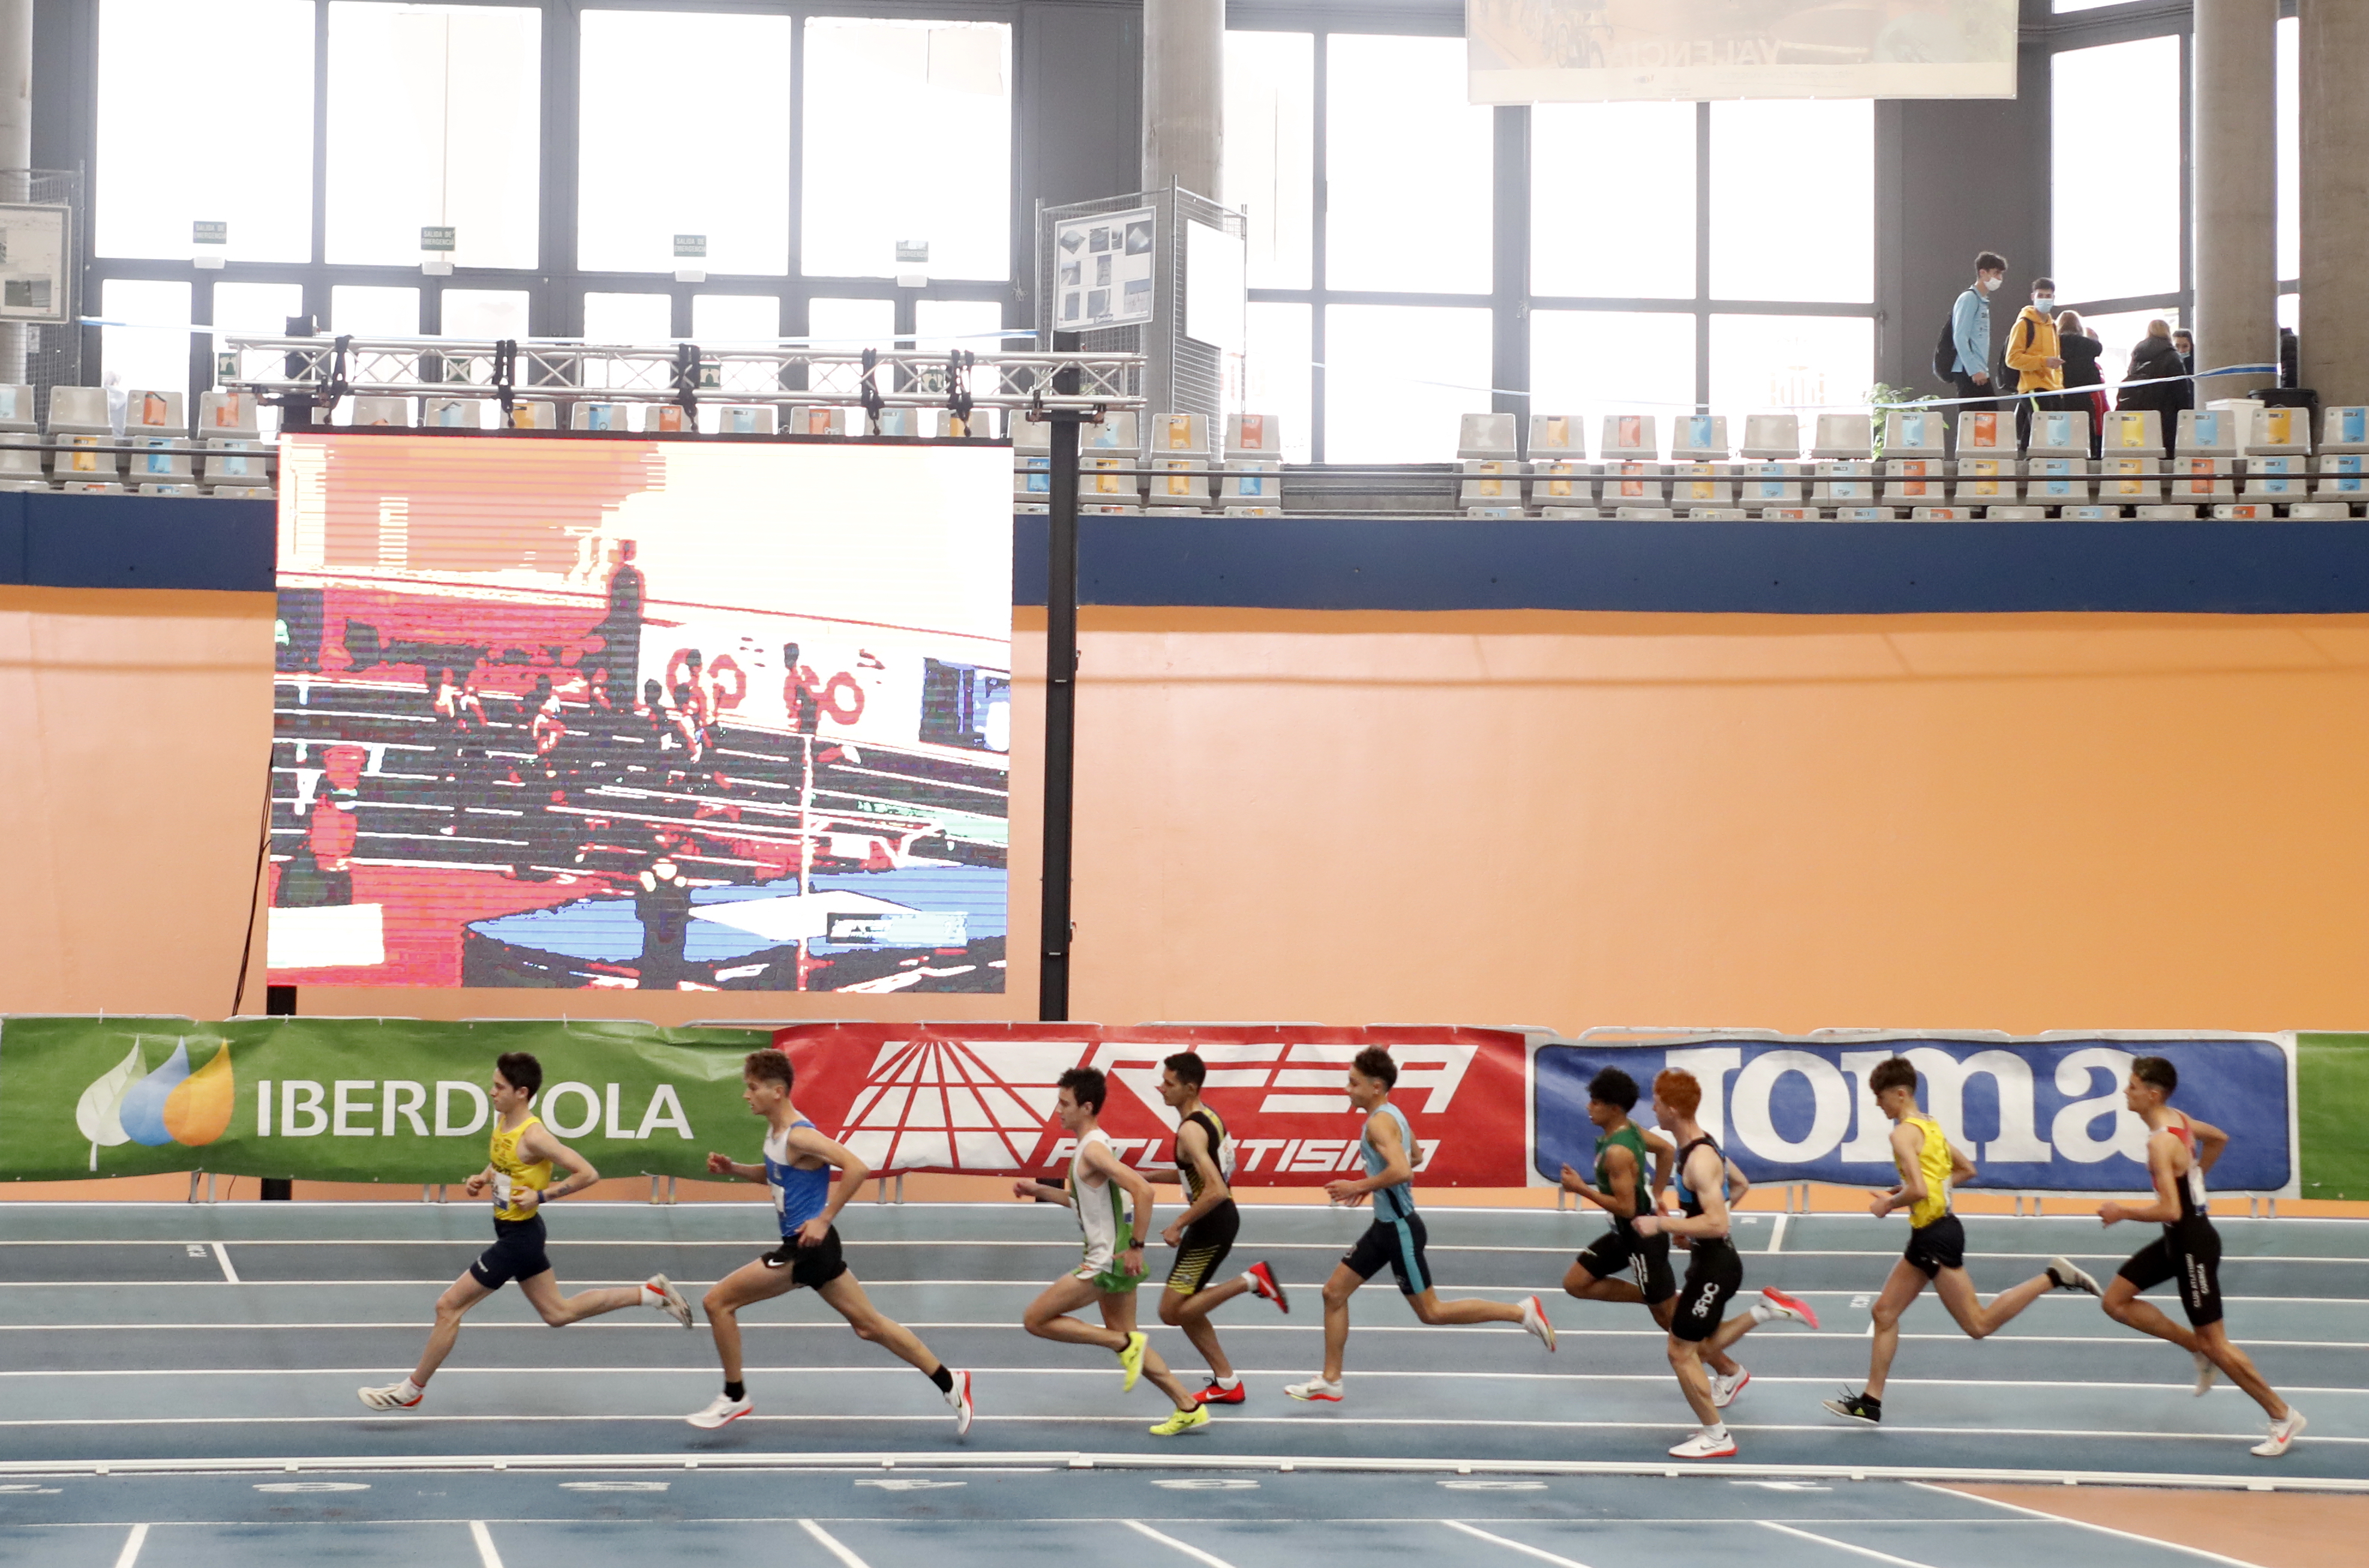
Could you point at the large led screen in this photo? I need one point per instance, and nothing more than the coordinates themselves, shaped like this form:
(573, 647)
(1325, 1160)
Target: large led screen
(664, 715)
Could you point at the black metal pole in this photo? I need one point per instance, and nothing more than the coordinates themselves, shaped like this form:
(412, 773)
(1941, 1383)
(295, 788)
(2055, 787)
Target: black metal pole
(1060, 706)
(279, 1002)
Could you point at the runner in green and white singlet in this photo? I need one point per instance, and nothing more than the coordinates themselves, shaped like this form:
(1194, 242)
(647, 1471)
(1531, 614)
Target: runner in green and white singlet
(1113, 1264)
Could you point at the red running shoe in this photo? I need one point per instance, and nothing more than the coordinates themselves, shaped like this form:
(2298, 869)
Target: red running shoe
(1218, 1393)
(1263, 1281)
(1776, 1304)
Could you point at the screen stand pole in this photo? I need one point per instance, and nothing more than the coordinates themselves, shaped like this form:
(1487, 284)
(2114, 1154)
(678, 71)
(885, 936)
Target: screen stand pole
(1060, 706)
(279, 1002)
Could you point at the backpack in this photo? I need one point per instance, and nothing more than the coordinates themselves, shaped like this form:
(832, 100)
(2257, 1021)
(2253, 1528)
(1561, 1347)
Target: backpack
(1945, 348)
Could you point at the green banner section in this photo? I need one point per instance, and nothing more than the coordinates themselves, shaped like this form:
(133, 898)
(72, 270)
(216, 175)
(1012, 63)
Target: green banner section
(356, 1099)
(2331, 1110)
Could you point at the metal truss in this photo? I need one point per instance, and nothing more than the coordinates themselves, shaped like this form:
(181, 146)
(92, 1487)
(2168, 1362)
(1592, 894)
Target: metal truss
(320, 371)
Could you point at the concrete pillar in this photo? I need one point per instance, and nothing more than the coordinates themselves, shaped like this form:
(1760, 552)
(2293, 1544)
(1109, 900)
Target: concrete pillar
(2233, 170)
(1183, 94)
(2334, 62)
(16, 144)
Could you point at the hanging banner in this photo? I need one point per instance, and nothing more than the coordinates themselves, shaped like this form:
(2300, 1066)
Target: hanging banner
(977, 1099)
(356, 1099)
(1591, 50)
(2037, 1116)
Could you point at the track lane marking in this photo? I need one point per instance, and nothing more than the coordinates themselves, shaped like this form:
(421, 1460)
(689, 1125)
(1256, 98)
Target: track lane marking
(222, 1256)
(1206, 1559)
(831, 1544)
(486, 1556)
(1540, 1553)
(1867, 1551)
(2036, 1516)
(131, 1545)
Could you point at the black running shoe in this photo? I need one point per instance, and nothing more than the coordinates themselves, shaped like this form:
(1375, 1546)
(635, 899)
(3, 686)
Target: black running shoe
(1857, 1407)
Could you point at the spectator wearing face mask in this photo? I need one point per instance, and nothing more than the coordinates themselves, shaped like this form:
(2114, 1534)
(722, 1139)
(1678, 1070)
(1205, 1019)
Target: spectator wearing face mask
(1970, 331)
(2034, 354)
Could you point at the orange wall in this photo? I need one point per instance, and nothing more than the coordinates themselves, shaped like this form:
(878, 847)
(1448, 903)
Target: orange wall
(2014, 821)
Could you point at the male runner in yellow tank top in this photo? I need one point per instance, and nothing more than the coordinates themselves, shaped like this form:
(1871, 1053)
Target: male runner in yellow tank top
(518, 1172)
(1929, 1163)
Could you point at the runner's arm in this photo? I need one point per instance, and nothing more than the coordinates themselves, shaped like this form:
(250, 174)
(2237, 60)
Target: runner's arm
(1620, 1200)
(538, 1144)
(2210, 1142)
(1961, 1165)
(1383, 1131)
(1907, 1144)
(1034, 1190)
(852, 1171)
(1665, 1159)
(1712, 1221)
(1193, 1143)
(2166, 1206)
(1738, 1184)
(725, 1165)
(1139, 1191)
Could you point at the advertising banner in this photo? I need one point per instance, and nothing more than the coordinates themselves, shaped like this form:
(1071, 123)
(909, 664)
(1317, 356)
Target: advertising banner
(2036, 1115)
(355, 1099)
(978, 1099)
(1588, 50)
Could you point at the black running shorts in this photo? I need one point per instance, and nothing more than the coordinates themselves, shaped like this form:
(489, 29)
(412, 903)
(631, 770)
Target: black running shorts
(516, 1253)
(1202, 1249)
(1714, 1273)
(1399, 1244)
(2189, 1253)
(1932, 1248)
(1646, 1259)
(810, 1266)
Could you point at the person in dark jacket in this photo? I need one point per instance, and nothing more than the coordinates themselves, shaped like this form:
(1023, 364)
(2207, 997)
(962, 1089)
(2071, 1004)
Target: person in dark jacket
(2153, 362)
(2081, 353)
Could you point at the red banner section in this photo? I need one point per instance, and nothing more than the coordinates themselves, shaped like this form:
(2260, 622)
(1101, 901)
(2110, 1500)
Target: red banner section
(977, 1099)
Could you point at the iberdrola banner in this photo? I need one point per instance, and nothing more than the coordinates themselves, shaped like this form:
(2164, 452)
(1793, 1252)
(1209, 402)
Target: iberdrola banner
(355, 1099)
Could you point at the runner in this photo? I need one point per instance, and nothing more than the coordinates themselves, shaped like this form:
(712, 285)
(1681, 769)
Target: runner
(1113, 1261)
(1714, 1271)
(1621, 1190)
(1929, 1163)
(2180, 1151)
(519, 1173)
(1396, 1236)
(797, 1164)
(1205, 1233)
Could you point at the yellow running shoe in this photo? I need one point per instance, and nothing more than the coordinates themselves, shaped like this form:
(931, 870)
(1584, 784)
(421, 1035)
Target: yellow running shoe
(1130, 1357)
(1183, 1421)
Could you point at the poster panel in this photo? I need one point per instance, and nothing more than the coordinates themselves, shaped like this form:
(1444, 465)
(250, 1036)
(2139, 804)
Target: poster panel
(1103, 269)
(638, 713)
(1594, 50)
(2036, 1115)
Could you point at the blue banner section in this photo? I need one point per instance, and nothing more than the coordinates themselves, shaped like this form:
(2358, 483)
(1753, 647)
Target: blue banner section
(2034, 1117)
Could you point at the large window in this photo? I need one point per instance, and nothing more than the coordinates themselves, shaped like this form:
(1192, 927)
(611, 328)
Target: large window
(1793, 201)
(1407, 167)
(1270, 151)
(1612, 200)
(2116, 170)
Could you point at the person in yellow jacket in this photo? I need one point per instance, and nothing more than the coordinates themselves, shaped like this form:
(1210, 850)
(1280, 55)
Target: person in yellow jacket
(2033, 352)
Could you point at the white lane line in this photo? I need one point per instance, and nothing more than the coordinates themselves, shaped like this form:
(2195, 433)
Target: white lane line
(222, 1256)
(131, 1545)
(1541, 1554)
(1194, 1553)
(1842, 1545)
(2042, 1516)
(831, 1544)
(1777, 1233)
(486, 1556)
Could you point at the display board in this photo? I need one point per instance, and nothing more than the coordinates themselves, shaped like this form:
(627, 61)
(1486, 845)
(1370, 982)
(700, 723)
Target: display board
(1103, 268)
(35, 242)
(1590, 50)
(572, 712)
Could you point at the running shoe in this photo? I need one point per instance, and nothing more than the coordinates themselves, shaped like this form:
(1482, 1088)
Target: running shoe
(2207, 1373)
(1315, 1389)
(391, 1397)
(720, 1411)
(1858, 1407)
(1218, 1393)
(2065, 1274)
(959, 1397)
(1775, 1303)
(1534, 1323)
(1130, 1358)
(1703, 1446)
(1179, 1421)
(1724, 1390)
(1263, 1281)
(659, 1291)
(2282, 1434)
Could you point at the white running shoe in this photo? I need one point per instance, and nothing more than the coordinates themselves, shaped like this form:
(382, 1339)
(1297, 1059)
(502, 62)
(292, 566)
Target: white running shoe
(1703, 1446)
(1534, 1320)
(1775, 1304)
(1724, 1390)
(660, 1292)
(391, 1397)
(2282, 1434)
(2207, 1373)
(2067, 1275)
(959, 1397)
(721, 1410)
(1315, 1389)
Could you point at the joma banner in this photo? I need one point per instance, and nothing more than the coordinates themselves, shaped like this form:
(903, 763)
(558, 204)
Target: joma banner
(351, 1099)
(977, 1098)
(2037, 1116)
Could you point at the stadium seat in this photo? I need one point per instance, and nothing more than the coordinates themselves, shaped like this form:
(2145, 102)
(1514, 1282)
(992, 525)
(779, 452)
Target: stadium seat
(1699, 457)
(2205, 455)
(1487, 436)
(2131, 458)
(1107, 454)
(1254, 482)
(1558, 460)
(2056, 460)
(667, 419)
(1986, 459)
(599, 416)
(810, 419)
(78, 419)
(20, 446)
(394, 412)
(1180, 445)
(1630, 447)
(534, 414)
(1845, 438)
(228, 416)
(454, 414)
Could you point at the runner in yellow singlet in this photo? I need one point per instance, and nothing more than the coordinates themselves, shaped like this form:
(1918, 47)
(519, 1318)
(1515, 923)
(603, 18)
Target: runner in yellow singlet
(518, 1172)
(1927, 1165)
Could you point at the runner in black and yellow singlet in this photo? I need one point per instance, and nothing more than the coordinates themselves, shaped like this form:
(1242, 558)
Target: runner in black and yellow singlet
(1205, 1233)
(1927, 1165)
(518, 1172)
